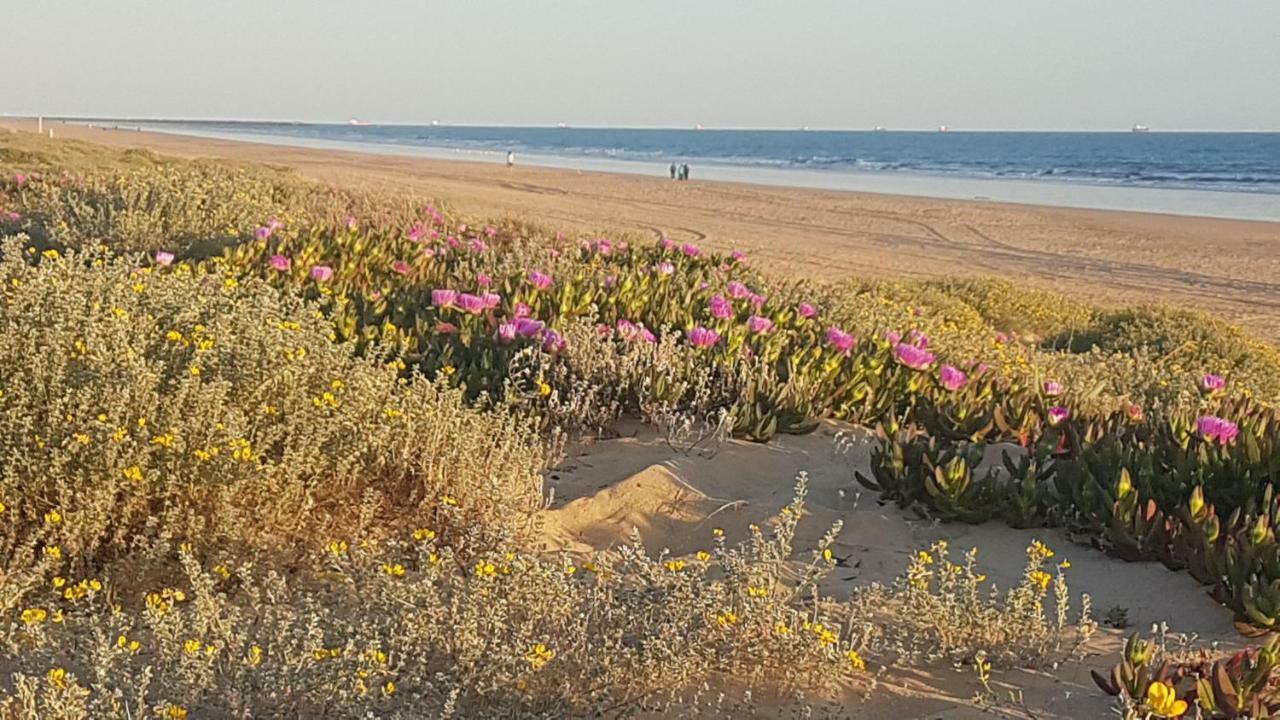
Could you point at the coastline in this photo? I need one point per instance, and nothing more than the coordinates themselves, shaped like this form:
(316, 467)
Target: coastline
(1231, 267)
(1048, 193)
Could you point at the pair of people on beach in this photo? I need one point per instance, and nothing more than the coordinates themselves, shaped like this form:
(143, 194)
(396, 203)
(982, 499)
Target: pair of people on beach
(680, 172)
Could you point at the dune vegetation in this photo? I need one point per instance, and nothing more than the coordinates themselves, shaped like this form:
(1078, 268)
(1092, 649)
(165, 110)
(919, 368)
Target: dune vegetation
(271, 448)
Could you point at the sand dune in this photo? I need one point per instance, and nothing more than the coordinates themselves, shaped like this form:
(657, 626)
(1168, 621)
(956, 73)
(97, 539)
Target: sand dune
(674, 499)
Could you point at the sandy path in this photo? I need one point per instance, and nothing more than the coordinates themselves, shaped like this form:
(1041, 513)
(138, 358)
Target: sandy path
(1231, 267)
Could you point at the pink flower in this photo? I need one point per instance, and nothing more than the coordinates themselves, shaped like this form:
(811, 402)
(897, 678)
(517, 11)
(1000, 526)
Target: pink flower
(20, 179)
(473, 304)
(952, 378)
(738, 256)
(919, 339)
(401, 267)
(478, 246)
(164, 259)
(647, 335)
(1052, 388)
(738, 291)
(912, 356)
(806, 310)
(446, 328)
(667, 243)
(665, 268)
(483, 280)
(893, 336)
(416, 232)
(262, 233)
(602, 246)
(610, 280)
(701, 337)
(1057, 414)
(521, 310)
(490, 230)
(690, 249)
(527, 327)
(539, 280)
(757, 324)
(628, 330)
(507, 332)
(444, 299)
(720, 307)
(321, 273)
(1211, 383)
(462, 227)
(553, 343)
(281, 263)
(1001, 338)
(351, 222)
(1215, 429)
(840, 340)
(491, 300)
(1135, 412)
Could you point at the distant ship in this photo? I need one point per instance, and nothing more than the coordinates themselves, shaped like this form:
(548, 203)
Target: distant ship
(561, 125)
(354, 121)
(879, 128)
(698, 126)
(1141, 128)
(435, 123)
(943, 128)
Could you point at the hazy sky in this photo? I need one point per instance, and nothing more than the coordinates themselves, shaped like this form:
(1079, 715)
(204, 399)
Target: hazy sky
(1086, 64)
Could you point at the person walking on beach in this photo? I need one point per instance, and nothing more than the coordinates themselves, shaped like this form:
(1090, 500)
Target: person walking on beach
(684, 171)
(673, 171)
(511, 158)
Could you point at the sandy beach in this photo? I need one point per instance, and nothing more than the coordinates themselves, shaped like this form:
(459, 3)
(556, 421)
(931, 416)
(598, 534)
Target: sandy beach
(1231, 267)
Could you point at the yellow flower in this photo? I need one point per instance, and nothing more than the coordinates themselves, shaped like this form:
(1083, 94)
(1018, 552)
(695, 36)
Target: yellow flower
(1038, 550)
(191, 647)
(422, 534)
(133, 473)
(389, 688)
(1162, 700)
(223, 571)
(337, 547)
(393, 569)
(1041, 578)
(674, 565)
(58, 678)
(782, 629)
(703, 555)
(485, 569)
(718, 532)
(50, 254)
(758, 591)
(539, 655)
(53, 517)
(449, 500)
(34, 616)
(255, 655)
(727, 618)
(176, 712)
(543, 388)
(856, 660)
(195, 371)
(826, 554)
(173, 335)
(54, 552)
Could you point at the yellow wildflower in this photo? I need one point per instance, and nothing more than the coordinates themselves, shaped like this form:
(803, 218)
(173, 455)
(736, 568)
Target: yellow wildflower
(1162, 700)
(856, 660)
(539, 655)
(58, 678)
(34, 616)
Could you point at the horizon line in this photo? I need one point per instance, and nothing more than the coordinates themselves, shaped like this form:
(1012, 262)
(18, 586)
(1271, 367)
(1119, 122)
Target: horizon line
(571, 126)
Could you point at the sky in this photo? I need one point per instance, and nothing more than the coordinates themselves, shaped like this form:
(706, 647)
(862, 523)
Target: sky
(968, 64)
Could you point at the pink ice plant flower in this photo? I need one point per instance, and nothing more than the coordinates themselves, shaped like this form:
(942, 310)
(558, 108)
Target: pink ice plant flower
(540, 280)
(919, 339)
(1057, 414)
(952, 378)
(738, 256)
(164, 258)
(479, 246)
(473, 304)
(893, 336)
(528, 327)
(262, 233)
(446, 328)
(322, 273)
(701, 337)
(401, 267)
(720, 307)
(840, 340)
(691, 250)
(738, 291)
(281, 263)
(1211, 383)
(667, 243)
(806, 310)
(491, 300)
(912, 356)
(665, 268)
(758, 324)
(490, 230)
(610, 280)
(552, 342)
(1216, 429)
(352, 223)
(483, 280)
(521, 310)
(507, 332)
(1053, 388)
(756, 300)
(444, 299)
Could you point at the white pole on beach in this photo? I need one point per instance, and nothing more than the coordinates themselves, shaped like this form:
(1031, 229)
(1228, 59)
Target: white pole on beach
(40, 124)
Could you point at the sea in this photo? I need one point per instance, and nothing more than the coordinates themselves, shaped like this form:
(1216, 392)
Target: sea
(1219, 174)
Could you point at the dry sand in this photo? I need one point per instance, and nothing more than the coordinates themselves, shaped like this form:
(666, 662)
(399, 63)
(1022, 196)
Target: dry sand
(675, 499)
(1231, 267)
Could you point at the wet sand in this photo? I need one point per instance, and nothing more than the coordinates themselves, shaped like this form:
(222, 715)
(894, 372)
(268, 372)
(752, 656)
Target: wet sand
(1230, 267)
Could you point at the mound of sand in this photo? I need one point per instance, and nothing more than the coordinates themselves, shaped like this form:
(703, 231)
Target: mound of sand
(607, 491)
